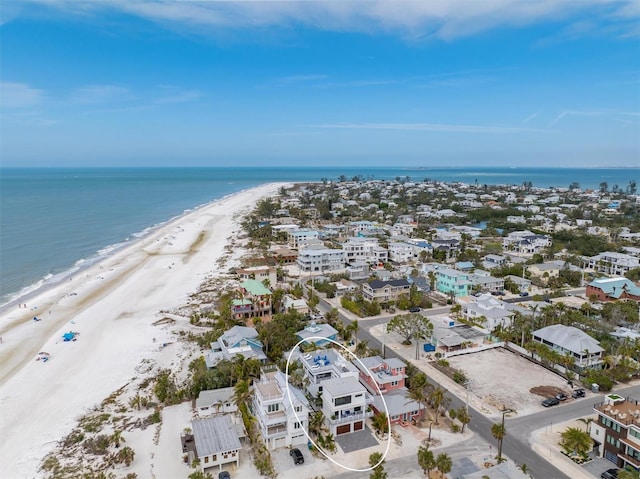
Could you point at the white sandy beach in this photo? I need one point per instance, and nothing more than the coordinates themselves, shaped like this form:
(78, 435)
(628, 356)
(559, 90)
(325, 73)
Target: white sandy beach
(112, 306)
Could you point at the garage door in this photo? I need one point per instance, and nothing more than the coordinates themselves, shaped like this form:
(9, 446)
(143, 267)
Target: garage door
(357, 426)
(345, 428)
(280, 442)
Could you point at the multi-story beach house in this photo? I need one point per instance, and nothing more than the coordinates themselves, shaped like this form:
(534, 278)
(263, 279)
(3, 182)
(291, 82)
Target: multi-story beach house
(616, 432)
(345, 405)
(237, 340)
(324, 364)
(484, 282)
(364, 249)
(318, 259)
(585, 350)
(449, 281)
(494, 311)
(613, 289)
(400, 252)
(255, 301)
(276, 414)
(260, 273)
(385, 291)
(216, 443)
(388, 377)
(525, 242)
(301, 237)
(615, 264)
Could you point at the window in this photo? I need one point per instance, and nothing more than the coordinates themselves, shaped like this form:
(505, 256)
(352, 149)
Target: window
(342, 401)
(206, 459)
(394, 383)
(634, 433)
(298, 408)
(359, 395)
(297, 425)
(273, 407)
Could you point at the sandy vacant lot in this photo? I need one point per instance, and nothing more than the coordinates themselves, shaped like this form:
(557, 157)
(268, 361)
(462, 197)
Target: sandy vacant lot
(501, 379)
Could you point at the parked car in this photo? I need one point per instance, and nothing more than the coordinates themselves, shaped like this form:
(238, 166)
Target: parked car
(550, 402)
(298, 458)
(578, 393)
(415, 310)
(224, 475)
(610, 474)
(561, 397)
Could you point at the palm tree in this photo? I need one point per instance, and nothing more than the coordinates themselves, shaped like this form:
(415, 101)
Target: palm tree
(587, 421)
(316, 423)
(241, 392)
(525, 469)
(628, 474)
(575, 440)
(444, 464)
(362, 348)
(376, 461)
(498, 431)
(380, 423)
(438, 399)
(426, 460)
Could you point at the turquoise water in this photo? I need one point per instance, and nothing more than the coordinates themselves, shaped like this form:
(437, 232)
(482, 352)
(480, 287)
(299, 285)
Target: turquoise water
(54, 221)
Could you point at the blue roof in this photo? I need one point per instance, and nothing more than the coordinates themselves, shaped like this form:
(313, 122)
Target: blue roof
(614, 287)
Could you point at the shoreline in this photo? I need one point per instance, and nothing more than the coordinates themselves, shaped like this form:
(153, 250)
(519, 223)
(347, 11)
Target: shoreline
(113, 305)
(20, 297)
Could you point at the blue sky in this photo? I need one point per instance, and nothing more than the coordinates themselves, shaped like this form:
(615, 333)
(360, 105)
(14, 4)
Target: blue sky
(364, 82)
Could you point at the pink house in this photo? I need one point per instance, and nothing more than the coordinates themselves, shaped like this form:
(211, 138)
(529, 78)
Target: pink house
(389, 375)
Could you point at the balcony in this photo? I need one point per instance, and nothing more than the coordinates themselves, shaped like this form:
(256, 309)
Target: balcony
(273, 431)
(352, 417)
(635, 462)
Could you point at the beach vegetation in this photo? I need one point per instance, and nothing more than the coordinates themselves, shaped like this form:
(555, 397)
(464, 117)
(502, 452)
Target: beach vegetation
(279, 334)
(426, 460)
(377, 462)
(94, 422)
(97, 445)
(153, 418)
(166, 389)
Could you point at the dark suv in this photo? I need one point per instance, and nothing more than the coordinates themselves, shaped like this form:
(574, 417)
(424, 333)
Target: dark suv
(224, 475)
(298, 458)
(550, 402)
(578, 393)
(610, 474)
(414, 310)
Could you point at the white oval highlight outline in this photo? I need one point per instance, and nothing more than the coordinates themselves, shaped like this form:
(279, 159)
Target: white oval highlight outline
(386, 409)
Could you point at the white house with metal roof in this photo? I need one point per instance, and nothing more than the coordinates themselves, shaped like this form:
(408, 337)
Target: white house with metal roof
(274, 411)
(585, 350)
(216, 442)
(213, 402)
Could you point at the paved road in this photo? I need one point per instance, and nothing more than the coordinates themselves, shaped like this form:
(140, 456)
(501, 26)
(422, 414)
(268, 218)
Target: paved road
(515, 446)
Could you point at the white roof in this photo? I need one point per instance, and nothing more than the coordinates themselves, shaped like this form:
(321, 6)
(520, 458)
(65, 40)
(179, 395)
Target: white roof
(215, 435)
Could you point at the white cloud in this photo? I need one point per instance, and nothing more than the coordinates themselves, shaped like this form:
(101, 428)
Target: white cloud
(439, 127)
(530, 117)
(18, 95)
(444, 19)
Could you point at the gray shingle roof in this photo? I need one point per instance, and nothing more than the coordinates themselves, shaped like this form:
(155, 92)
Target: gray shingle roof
(215, 435)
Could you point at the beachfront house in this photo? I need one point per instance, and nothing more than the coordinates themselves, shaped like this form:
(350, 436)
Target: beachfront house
(491, 311)
(324, 364)
(302, 237)
(214, 402)
(260, 273)
(239, 340)
(388, 376)
(585, 350)
(255, 301)
(276, 413)
(216, 443)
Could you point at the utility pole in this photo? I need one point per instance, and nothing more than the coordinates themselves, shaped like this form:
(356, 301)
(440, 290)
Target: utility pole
(504, 412)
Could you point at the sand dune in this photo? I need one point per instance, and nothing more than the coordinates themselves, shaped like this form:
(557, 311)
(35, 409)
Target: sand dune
(112, 306)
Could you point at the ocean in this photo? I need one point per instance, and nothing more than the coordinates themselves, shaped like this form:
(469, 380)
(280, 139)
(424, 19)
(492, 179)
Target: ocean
(54, 221)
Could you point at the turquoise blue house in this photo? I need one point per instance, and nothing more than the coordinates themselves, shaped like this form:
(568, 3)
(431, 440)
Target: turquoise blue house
(449, 281)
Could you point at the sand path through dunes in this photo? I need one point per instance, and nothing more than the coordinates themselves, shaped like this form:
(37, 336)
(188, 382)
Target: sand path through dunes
(112, 305)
